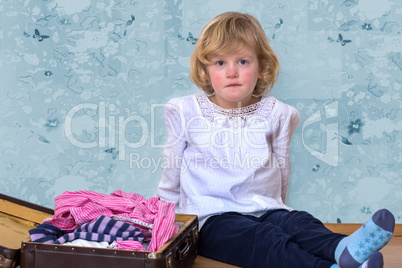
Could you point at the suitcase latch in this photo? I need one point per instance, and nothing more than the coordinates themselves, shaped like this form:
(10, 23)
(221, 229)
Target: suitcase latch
(182, 252)
(169, 261)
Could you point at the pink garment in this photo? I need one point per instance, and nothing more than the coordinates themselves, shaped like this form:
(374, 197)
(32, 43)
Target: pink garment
(129, 245)
(72, 209)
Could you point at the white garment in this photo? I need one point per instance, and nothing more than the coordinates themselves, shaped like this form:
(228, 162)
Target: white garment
(87, 243)
(219, 160)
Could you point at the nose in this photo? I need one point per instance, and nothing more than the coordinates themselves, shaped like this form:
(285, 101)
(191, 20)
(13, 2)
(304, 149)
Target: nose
(231, 71)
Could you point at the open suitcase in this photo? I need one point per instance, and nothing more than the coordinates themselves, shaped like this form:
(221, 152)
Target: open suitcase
(17, 217)
(180, 251)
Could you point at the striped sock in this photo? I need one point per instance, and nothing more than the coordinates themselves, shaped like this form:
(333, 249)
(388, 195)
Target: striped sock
(376, 260)
(354, 250)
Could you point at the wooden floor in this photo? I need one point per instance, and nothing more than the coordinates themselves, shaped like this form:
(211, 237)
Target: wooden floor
(392, 253)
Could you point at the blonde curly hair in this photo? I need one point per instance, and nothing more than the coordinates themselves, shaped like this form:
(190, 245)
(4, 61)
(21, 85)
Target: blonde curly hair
(231, 32)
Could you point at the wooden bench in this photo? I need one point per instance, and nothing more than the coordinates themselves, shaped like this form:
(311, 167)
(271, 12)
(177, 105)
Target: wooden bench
(392, 252)
(392, 256)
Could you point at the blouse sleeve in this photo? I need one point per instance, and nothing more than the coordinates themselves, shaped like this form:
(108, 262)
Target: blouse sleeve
(287, 123)
(169, 186)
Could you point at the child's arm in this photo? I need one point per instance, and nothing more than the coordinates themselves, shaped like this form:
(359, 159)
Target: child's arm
(287, 124)
(169, 186)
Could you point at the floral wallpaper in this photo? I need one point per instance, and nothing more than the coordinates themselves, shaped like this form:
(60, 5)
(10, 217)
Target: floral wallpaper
(83, 85)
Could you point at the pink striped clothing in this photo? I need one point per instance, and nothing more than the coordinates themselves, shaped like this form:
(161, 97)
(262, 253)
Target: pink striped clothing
(127, 245)
(72, 209)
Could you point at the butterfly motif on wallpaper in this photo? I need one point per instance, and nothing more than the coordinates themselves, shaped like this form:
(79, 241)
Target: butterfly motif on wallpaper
(112, 151)
(340, 40)
(128, 24)
(39, 36)
(190, 38)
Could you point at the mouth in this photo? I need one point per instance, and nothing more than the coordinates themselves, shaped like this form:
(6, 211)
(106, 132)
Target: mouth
(233, 85)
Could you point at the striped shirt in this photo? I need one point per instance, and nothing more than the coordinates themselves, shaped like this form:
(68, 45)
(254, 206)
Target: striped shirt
(103, 229)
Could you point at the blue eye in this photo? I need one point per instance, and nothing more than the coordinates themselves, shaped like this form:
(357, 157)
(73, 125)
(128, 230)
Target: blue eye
(220, 63)
(242, 62)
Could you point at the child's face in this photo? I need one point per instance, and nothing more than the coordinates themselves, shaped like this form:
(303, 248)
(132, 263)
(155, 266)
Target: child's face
(233, 78)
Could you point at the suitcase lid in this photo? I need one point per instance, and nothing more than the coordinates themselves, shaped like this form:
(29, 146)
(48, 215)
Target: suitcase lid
(17, 217)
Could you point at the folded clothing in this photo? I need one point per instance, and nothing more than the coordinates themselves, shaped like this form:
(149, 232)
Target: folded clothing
(72, 209)
(86, 243)
(103, 229)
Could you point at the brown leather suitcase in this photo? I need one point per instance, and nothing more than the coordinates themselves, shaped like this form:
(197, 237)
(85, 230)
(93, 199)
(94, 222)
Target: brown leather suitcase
(17, 217)
(180, 251)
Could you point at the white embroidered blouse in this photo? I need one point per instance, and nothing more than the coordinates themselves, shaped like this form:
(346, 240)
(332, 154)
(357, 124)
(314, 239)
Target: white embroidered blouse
(219, 160)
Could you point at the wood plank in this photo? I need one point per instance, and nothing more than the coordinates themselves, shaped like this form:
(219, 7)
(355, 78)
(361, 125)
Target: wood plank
(13, 230)
(17, 210)
(349, 228)
(203, 262)
(391, 252)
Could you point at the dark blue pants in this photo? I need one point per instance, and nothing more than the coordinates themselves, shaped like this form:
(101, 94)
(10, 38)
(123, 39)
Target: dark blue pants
(277, 239)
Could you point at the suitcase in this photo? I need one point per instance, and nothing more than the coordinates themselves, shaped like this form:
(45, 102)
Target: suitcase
(17, 217)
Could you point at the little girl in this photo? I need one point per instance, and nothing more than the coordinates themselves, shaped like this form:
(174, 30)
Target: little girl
(227, 161)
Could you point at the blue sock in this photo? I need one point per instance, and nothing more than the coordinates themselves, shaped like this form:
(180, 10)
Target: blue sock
(354, 250)
(376, 260)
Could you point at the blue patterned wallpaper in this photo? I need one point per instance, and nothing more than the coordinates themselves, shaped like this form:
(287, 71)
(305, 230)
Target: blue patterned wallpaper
(83, 85)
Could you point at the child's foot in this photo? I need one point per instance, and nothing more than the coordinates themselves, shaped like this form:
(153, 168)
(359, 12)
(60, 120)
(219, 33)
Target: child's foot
(354, 250)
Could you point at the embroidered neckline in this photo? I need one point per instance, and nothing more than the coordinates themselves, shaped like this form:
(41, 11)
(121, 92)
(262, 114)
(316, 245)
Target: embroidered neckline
(236, 117)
